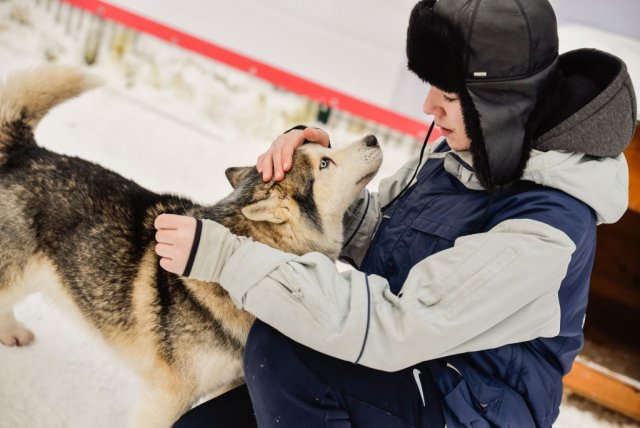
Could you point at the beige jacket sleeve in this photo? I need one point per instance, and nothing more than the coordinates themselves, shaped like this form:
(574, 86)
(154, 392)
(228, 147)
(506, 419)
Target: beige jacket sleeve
(487, 290)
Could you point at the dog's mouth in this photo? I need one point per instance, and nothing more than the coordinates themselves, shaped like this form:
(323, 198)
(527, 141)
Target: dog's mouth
(366, 178)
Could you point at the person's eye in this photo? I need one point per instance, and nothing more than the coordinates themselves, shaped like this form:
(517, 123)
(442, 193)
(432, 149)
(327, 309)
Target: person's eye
(450, 98)
(325, 162)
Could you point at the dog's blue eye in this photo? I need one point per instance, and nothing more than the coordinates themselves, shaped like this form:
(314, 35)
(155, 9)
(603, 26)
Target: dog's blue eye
(324, 163)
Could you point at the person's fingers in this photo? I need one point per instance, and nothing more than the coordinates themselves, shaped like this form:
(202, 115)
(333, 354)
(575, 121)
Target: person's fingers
(283, 152)
(317, 135)
(266, 164)
(170, 266)
(164, 221)
(171, 221)
(278, 172)
(259, 162)
(164, 250)
(278, 159)
(286, 156)
(164, 236)
(267, 167)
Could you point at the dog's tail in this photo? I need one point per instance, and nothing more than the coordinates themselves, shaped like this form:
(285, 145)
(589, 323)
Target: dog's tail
(26, 96)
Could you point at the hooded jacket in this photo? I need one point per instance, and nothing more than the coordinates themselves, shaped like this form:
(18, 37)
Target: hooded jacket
(486, 291)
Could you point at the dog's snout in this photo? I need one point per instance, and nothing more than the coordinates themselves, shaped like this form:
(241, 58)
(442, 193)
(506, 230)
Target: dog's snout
(371, 141)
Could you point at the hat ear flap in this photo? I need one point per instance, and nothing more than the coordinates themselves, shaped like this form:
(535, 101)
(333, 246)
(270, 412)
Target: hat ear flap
(500, 118)
(434, 49)
(478, 149)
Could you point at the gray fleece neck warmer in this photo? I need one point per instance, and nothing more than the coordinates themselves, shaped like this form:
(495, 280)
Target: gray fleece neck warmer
(499, 56)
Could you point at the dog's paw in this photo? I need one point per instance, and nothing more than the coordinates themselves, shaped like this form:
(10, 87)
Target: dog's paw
(16, 335)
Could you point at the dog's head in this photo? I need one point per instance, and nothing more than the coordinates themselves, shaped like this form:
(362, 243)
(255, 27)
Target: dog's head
(308, 205)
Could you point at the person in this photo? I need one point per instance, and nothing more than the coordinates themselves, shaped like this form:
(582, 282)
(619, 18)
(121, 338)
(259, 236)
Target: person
(472, 262)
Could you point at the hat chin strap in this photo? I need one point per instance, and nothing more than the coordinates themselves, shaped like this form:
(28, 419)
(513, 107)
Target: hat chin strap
(415, 173)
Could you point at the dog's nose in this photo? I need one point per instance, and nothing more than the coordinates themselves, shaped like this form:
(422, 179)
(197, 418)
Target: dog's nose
(371, 141)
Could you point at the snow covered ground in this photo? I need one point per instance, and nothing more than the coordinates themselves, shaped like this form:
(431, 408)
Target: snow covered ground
(172, 121)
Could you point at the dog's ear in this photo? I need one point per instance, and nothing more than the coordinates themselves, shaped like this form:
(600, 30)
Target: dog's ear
(236, 174)
(272, 209)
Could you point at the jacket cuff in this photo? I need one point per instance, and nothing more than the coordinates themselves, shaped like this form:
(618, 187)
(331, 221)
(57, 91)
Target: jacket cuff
(213, 245)
(194, 248)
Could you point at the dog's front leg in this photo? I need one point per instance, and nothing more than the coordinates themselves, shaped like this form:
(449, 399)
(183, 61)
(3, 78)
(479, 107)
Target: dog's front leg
(13, 333)
(160, 408)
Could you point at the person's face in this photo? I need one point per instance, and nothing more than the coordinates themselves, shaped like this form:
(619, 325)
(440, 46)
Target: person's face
(447, 114)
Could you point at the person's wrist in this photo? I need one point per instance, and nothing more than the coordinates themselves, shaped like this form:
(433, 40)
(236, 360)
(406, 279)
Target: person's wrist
(215, 246)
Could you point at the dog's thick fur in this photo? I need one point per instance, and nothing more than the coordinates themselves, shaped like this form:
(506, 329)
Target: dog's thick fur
(86, 235)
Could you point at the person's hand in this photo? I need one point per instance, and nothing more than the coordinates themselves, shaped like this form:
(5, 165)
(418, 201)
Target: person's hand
(175, 234)
(277, 160)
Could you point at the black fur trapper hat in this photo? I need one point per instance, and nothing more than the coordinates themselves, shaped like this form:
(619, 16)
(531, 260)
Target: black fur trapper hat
(500, 57)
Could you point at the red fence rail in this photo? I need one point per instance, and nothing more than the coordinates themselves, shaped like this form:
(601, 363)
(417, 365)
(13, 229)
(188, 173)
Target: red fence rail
(289, 81)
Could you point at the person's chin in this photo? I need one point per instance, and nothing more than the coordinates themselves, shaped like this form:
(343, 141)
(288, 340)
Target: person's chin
(456, 144)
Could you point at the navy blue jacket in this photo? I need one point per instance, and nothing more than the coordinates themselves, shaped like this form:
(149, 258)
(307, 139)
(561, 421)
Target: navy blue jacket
(515, 385)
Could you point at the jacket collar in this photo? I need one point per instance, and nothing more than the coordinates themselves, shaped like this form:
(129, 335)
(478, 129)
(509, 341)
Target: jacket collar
(600, 182)
(460, 165)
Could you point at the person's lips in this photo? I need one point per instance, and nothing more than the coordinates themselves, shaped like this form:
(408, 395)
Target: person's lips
(445, 131)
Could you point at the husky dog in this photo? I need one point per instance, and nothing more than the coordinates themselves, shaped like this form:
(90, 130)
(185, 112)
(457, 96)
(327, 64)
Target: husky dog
(86, 235)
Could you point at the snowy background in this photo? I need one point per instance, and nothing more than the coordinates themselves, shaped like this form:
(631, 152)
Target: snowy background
(172, 121)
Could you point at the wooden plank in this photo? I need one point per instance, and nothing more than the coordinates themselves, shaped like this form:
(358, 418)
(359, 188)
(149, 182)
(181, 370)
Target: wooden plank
(605, 387)
(604, 286)
(616, 270)
(632, 153)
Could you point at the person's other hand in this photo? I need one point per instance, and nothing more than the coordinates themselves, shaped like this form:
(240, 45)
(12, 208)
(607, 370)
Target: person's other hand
(175, 234)
(277, 160)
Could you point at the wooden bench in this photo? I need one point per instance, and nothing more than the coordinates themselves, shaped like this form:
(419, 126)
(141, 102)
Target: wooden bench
(607, 370)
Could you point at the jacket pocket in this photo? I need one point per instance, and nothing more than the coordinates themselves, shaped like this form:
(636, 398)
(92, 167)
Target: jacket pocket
(289, 287)
(463, 409)
(437, 229)
(479, 400)
(425, 237)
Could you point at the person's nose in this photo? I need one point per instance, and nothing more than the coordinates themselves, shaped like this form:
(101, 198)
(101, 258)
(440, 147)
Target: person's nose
(431, 106)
